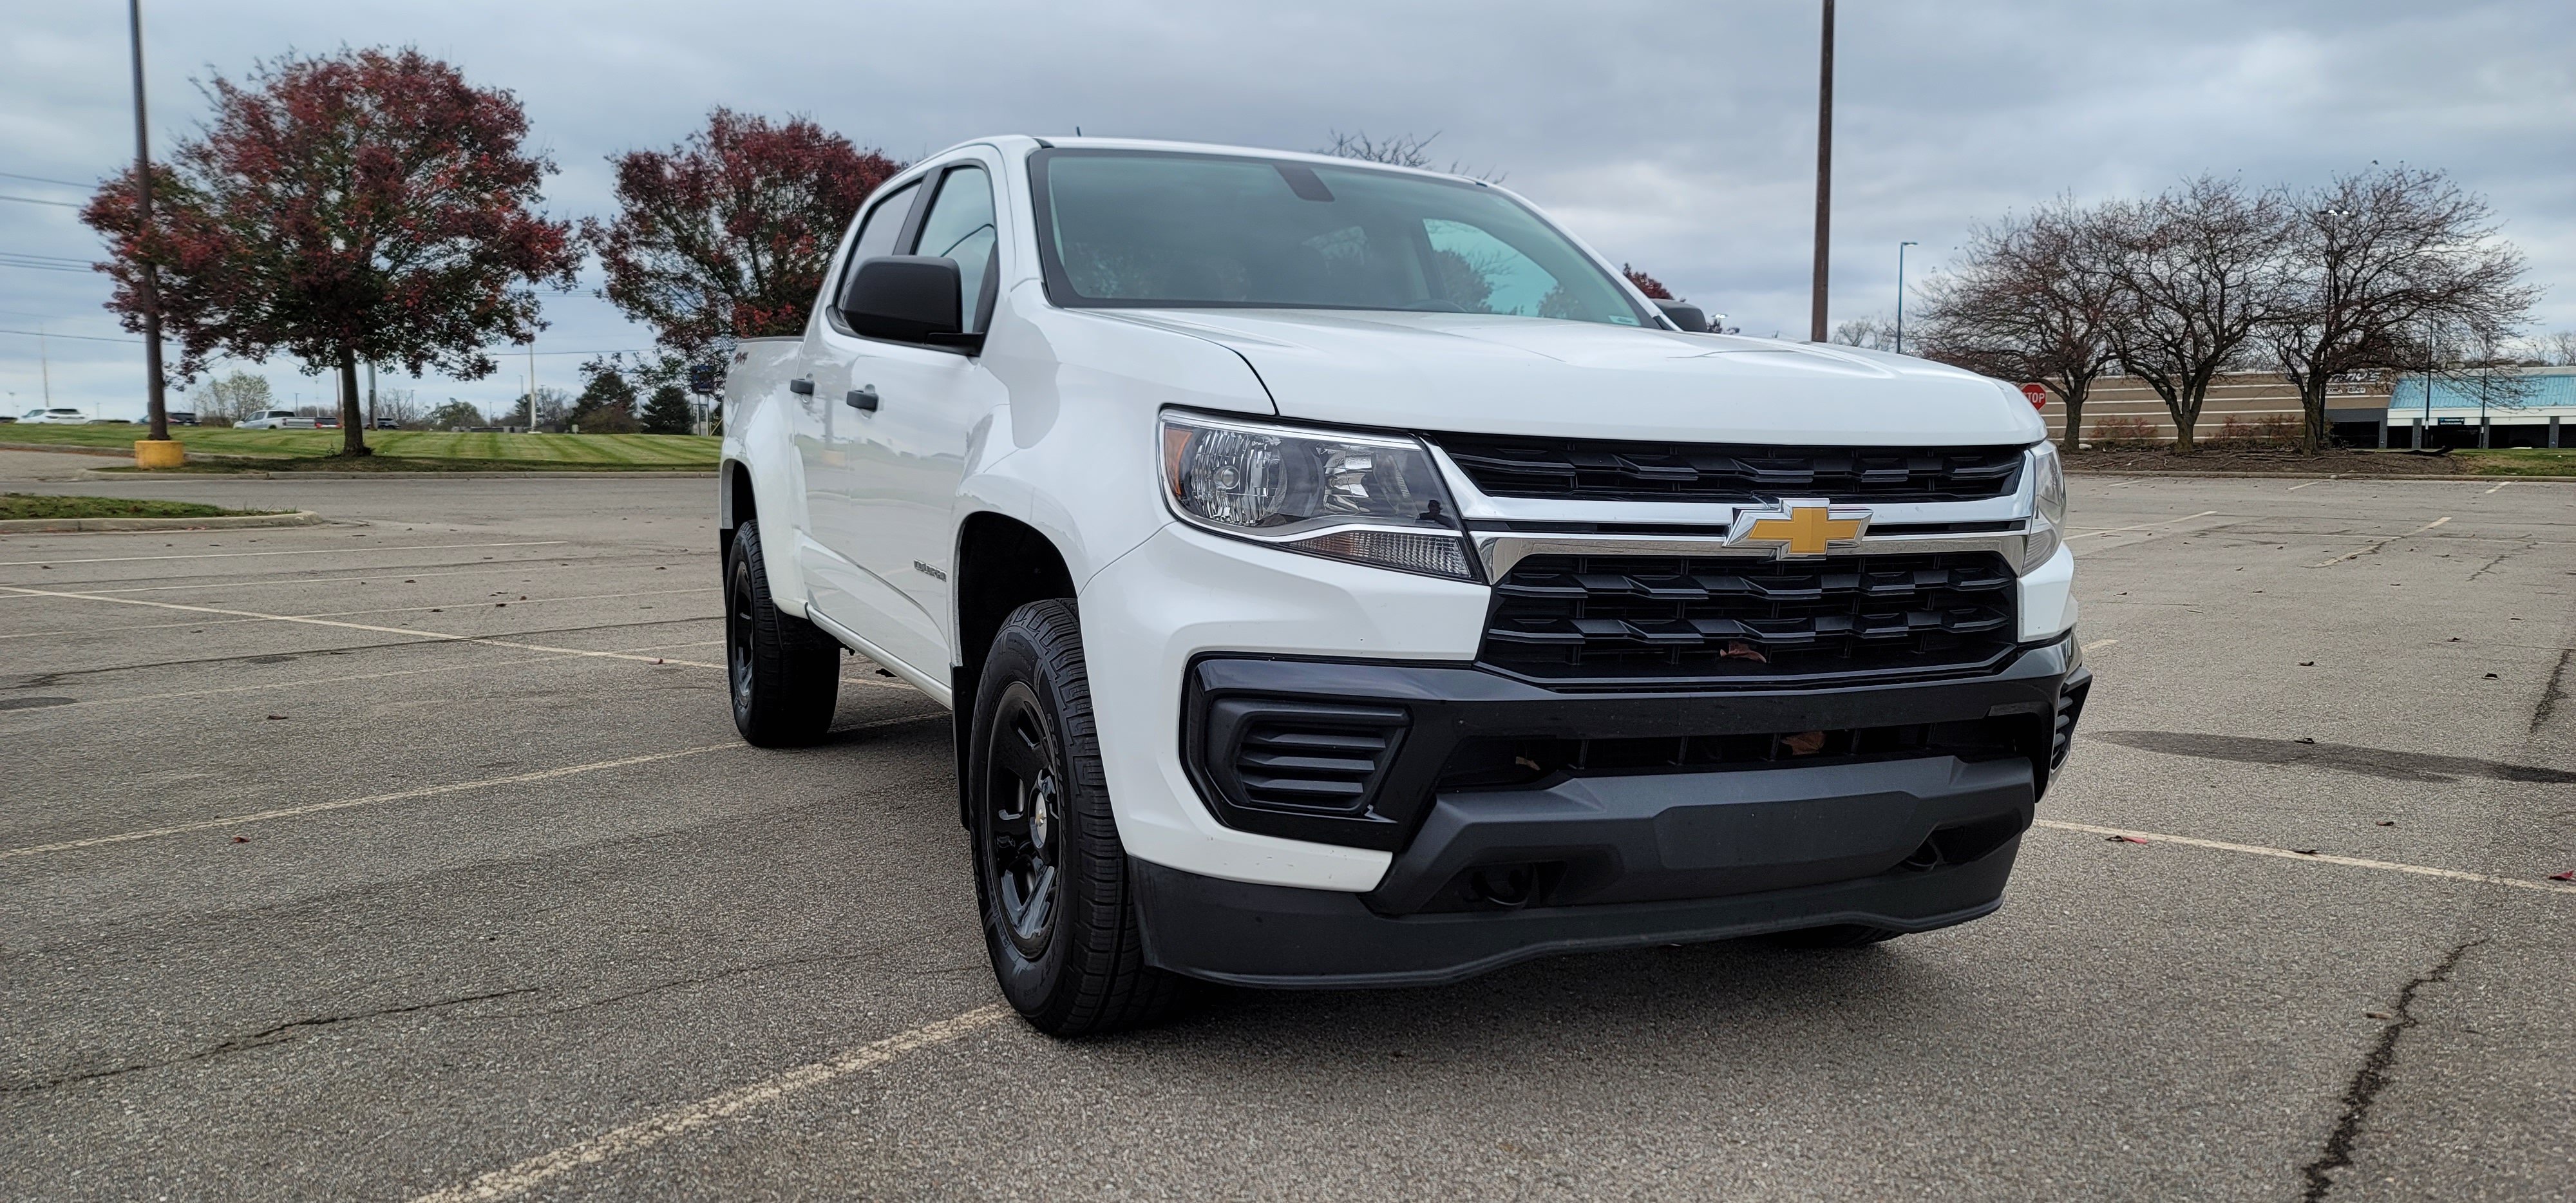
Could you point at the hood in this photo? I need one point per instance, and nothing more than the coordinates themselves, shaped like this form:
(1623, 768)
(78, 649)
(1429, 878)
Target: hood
(1513, 375)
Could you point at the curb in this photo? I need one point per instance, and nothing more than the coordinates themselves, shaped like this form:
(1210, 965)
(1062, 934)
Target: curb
(68, 449)
(2463, 478)
(29, 526)
(649, 473)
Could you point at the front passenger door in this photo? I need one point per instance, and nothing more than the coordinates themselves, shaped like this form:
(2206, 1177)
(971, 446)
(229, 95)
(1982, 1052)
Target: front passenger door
(909, 451)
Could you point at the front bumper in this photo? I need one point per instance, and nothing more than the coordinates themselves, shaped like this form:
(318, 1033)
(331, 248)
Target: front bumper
(1661, 828)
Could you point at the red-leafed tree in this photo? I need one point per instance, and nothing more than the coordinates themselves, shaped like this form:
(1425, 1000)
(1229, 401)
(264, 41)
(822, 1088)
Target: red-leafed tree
(1652, 287)
(726, 235)
(367, 206)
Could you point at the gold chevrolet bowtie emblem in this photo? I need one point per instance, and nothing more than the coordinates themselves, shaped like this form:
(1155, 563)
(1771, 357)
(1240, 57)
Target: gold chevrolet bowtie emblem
(1800, 527)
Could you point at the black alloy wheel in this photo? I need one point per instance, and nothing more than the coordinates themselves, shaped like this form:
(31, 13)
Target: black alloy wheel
(1024, 804)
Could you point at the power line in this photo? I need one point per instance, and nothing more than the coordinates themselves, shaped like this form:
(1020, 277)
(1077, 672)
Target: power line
(29, 200)
(83, 337)
(44, 179)
(34, 255)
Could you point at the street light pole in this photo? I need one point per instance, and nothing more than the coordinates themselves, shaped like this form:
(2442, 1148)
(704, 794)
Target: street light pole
(154, 399)
(1816, 331)
(1900, 294)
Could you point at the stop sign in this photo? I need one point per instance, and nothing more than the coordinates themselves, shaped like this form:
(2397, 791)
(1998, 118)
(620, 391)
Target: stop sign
(2038, 394)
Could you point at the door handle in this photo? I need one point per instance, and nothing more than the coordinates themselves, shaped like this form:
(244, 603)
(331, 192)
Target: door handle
(802, 386)
(862, 398)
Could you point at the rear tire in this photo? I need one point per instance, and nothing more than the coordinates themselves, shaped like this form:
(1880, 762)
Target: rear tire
(784, 673)
(1050, 874)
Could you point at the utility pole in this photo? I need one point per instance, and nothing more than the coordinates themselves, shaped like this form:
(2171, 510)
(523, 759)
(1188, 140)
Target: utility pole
(1900, 294)
(1816, 331)
(532, 384)
(45, 365)
(371, 396)
(153, 384)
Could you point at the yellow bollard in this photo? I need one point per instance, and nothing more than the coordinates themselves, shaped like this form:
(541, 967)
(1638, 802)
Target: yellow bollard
(159, 453)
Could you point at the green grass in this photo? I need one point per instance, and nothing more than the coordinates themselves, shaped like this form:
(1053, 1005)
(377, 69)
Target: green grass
(29, 505)
(505, 451)
(2521, 461)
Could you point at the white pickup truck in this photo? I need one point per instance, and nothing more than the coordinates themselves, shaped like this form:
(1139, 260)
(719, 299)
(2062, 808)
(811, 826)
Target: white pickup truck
(1341, 576)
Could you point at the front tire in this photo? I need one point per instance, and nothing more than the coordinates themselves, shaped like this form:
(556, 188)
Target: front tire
(784, 673)
(1050, 873)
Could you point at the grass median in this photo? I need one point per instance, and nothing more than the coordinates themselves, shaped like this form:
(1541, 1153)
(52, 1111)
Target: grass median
(14, 506)
(213, 448)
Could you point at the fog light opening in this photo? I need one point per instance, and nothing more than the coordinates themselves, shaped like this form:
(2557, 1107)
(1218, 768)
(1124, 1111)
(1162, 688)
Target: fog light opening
(1509, 887)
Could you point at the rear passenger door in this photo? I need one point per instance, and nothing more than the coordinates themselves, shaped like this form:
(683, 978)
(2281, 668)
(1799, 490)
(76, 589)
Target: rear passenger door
(909, 451)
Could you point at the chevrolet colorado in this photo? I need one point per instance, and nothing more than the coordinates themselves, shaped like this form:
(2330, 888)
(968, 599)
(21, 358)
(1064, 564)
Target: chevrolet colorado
(1341, 576)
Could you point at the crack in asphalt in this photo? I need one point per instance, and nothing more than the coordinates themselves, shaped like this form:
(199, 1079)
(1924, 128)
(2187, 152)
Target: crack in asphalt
(278, 1034)
(2371, 1078)
(2421, 767)
(430, 638)
(2553, 693)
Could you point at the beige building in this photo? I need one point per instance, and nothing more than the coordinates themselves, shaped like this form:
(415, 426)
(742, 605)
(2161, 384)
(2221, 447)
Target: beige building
(2247, 398)
(2527, 413)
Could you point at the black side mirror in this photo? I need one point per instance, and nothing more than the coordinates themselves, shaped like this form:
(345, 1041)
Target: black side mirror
(1688, 317)
(907, 298)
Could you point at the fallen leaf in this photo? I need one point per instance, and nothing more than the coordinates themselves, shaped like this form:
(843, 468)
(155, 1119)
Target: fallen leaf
(2377, 1015)
(883, 673)
(500, 605)
(2386, 823)
(2491, 676)
(2569, 875)
(1804, 743)
(657, 659)
(2303, 740)
(241, 839)
(2307, 664)
(1737, 649)
(2123, 839)
(277, 716)
(2305, 851)
(2454, 639)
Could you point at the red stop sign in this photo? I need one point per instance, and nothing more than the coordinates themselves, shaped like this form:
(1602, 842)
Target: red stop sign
(2038, 394)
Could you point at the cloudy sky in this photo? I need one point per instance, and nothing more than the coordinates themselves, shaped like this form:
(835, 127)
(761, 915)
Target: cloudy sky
(1678, 137)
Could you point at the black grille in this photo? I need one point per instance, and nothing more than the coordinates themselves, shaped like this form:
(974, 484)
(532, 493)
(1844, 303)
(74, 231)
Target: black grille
(1624, 620)
(1298, 756)
(1609, 471)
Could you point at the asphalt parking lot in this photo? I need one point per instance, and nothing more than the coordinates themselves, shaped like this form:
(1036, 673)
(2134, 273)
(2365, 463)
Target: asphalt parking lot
(415, 857)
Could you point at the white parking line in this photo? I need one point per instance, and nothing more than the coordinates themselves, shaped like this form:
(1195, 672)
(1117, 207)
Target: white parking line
(2500, 486)
(2141, 526)
(677, 1121)
(2546, 887)
(456, 606)
(2318, 481)
(320, 551)
(426, 791)
(424, 636)
(2099, 643)
(2380, 544)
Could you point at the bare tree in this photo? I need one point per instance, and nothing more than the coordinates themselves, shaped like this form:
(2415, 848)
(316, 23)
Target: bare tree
(2196, 271)
(2374, 256)
(1873, 333)
(235, 397)
(2556, 348)
(2033, 302)
(1402, 150)
(402, 405)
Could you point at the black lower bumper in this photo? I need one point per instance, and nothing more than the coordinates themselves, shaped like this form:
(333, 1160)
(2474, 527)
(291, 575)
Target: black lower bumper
(1525, 822)
(1276, 936)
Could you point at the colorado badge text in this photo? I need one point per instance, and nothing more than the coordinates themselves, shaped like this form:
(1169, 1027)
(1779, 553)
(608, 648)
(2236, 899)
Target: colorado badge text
(1799, 526)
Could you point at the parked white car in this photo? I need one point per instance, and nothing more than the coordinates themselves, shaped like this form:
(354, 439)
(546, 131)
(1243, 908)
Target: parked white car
(275, 419)
(55, 416)
(1341, 576)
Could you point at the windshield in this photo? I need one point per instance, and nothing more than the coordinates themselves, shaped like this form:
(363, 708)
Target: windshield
(1160, 229)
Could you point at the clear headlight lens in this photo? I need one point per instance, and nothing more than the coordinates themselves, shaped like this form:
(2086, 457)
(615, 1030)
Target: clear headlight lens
(1370, 499)
(2048, 498)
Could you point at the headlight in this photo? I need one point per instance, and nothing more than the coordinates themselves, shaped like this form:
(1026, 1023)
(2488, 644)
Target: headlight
(2048, 505)
(1370, 499)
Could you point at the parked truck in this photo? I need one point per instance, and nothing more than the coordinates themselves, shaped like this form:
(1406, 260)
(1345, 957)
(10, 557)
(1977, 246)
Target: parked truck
(1341, 576)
